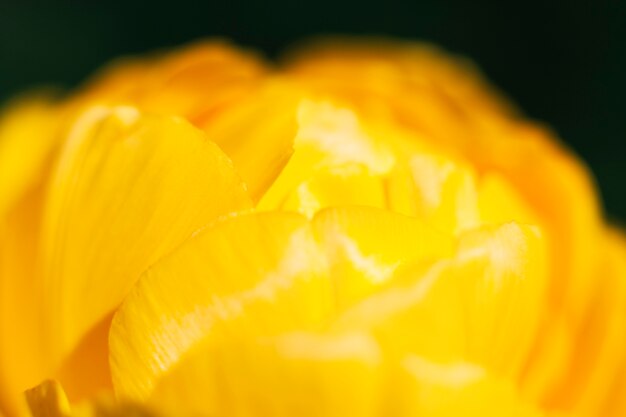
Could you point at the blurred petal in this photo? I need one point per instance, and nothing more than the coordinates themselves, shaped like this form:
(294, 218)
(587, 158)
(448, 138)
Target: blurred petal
(600, 343)
(500, 202)
(350, 185)
(464, 308)
(27, 137)
(48, 400)
(447, 192)
(549, 359)
(120, 199)
(367, 70)
(335, 161)
(558, 188)
(447, 100)
(192, 82)
(299, 373)
(458, 389)
(30, 135)
(198, 80)
(158, 322)
(258, 137)
(85, 371)
(109, 407)
(22, 348)
(414, 284)
(366, 246)
(508, 294)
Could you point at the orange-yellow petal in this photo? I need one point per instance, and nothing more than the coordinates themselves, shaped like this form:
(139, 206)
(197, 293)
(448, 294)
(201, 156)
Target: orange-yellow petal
(599, 344)
(127, 189)
(335, 161)
(297, 373)
(447, 100)
(193, 82)
(47, 400)
(30, 137)
(259, 273)
(22, 348)
(365, 247)
(258, 137)
(463, 308)
(457, 389)
(27, 137)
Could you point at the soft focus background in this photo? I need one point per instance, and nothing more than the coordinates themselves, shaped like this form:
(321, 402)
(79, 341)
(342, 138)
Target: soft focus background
(563, 62)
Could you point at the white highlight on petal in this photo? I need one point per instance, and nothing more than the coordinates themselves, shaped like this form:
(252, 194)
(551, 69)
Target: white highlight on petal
(338, 133)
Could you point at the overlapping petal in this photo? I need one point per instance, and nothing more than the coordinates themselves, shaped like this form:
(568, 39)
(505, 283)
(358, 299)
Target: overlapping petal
(370, 230)
(274, 316)
(118, 179)
(114, 202)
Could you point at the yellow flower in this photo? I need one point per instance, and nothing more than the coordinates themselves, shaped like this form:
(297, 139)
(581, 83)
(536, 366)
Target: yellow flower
(368, 230)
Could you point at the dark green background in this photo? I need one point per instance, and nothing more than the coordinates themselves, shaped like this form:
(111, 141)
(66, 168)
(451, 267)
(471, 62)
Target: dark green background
(562, 62)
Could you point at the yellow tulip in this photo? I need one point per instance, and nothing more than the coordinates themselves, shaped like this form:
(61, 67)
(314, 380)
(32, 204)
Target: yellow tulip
(368, 229)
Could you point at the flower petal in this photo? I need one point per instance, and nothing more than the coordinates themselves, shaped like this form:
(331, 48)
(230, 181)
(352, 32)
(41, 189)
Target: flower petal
(458, 389)
(350, 185)
(335, 161)
(599, 345)
(551, 179)
(443, 88)
(192, 82)
(365, 247)
(85, 371)
(120, 199)
(298, 373)
(463, 308)
(48, 400)
(260, 273)
(258, 137)
(27, 137)
(447, 100)
(509, 294)
(198, 80)
(22, 358)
